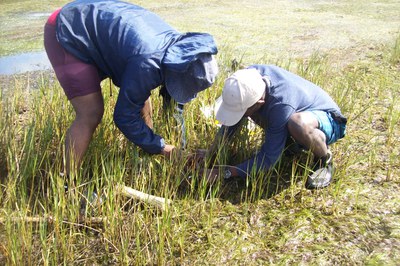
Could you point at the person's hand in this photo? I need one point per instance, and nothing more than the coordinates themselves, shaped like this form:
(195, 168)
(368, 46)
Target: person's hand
(168, 151)
(217, 173)
(195, 159)
(211, 175)
(200, 154)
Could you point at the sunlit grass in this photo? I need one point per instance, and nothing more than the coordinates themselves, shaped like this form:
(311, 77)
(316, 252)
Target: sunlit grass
(269, 218)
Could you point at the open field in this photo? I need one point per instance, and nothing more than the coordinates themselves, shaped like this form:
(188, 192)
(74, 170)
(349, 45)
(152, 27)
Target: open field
(350, 48)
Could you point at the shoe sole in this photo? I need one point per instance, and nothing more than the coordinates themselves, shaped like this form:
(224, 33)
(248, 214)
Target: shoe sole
(320, 178)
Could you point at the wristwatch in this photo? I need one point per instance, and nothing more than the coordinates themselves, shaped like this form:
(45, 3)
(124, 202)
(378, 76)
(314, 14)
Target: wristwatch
(227, 173)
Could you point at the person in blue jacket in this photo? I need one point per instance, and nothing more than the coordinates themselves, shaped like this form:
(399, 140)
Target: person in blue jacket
(87, 41)
(288, 107)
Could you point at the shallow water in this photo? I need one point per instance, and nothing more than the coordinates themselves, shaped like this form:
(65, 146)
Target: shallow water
(25, 62)
(39, 14)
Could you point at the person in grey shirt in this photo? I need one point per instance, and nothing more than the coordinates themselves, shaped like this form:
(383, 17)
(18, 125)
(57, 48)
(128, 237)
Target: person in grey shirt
(286, 106)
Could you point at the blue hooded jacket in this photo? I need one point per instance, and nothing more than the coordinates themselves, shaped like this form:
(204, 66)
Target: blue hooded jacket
(132, 46)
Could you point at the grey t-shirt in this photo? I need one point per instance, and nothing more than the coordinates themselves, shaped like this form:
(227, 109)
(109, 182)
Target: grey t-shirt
(288, 93)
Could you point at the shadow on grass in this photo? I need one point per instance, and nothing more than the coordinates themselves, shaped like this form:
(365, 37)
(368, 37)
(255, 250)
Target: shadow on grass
(237, 190)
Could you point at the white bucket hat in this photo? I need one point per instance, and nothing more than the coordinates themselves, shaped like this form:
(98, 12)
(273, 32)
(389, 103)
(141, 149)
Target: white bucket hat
(241, 91)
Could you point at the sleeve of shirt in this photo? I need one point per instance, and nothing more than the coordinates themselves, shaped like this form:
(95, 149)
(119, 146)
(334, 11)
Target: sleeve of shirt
(136, 87)
(275, 140)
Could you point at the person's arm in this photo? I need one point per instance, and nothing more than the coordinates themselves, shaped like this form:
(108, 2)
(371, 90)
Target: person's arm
(275, 140)
(266, 157)
(223, 136)
(135, 90)
(169, 103)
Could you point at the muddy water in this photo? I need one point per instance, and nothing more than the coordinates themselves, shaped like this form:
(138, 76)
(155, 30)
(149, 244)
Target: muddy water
(25, 62)
(39, 14)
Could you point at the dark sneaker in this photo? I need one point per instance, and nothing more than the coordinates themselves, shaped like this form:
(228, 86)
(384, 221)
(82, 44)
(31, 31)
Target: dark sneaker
(321, 175)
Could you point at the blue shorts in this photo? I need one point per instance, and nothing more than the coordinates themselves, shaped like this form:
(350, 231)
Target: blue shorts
(332, 129)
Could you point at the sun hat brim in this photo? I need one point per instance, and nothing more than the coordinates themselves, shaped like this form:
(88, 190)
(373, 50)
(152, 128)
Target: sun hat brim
(184, 86)
(226, 116)
(241, 91)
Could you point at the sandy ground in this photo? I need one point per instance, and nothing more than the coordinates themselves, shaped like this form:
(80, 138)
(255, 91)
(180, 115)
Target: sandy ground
(251, 31)
(270, 30)
(257, 30)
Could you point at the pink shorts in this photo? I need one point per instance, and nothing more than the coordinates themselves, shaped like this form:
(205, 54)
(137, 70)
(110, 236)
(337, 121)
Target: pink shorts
(76, 77)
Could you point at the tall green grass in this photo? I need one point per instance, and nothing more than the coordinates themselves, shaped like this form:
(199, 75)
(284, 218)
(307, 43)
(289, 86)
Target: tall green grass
(268, 219)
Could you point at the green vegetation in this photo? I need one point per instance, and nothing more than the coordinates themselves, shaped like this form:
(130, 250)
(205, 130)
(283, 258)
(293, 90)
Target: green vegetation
(270, 219)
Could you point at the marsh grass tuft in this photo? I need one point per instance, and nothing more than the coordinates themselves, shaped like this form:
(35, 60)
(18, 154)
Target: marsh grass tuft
(268, 219)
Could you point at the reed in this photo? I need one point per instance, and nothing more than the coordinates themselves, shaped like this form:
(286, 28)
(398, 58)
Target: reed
(249, 221)
(268, 219)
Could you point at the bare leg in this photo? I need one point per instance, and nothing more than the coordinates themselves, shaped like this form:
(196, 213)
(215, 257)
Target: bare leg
(89, 111)
(303, 127)
(147, 113)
